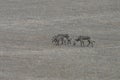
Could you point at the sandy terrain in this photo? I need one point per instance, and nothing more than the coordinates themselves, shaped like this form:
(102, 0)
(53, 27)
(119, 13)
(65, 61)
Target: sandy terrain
(26, 28)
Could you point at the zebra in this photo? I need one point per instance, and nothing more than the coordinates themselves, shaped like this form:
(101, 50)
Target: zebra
(60, 39)
(81, 39)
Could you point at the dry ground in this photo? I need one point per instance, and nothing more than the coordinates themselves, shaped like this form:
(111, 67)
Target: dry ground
(26, 27)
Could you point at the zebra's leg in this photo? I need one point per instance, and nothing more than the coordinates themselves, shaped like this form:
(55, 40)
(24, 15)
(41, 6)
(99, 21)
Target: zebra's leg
(92, 43)
(89, 42)
(65, 41)
(56, 42)
(62, 41)
(82, 43)
(59, 41)
(69, 41)
(74, 43)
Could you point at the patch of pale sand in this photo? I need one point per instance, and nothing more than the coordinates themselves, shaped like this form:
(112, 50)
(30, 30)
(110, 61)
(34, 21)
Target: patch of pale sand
(54, 50)
(99, 18)
(114, 23)
(45, 78)
(29, 22)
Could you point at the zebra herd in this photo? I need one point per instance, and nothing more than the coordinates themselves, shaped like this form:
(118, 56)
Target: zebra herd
(66, 39)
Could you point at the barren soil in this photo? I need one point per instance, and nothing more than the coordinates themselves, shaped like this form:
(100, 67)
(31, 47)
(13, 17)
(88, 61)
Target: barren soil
(26, 28)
